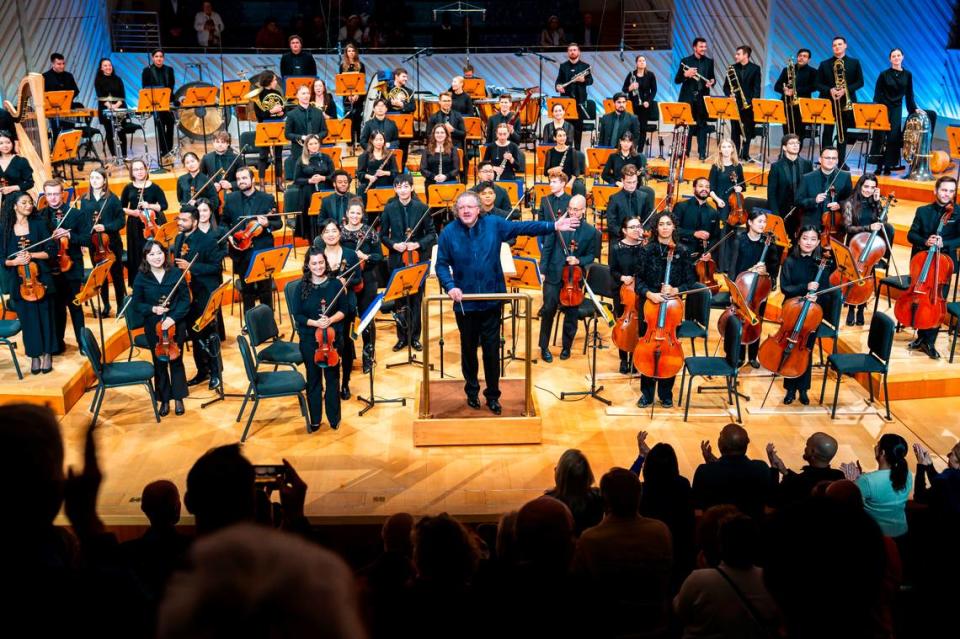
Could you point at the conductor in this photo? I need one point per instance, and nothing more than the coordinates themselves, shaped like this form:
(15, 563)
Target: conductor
(468, 261)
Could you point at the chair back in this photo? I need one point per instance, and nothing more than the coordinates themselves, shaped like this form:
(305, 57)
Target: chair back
(697, 306)
(831, 306)
(291, 289)
(880, 339)
(131, 317)
(261, 326)
(92, 350)
(597, 244)
(247, 358)
(600, 280)
(733, 353)
(750, 203)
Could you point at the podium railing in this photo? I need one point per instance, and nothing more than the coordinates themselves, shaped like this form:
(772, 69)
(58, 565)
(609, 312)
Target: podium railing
(480, 297)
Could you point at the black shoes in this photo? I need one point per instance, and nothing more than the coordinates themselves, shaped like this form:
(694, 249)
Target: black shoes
(666, 403)
(178, 408)
(789, 397)
(199, 378)
(473, 402)
(624, 368)
(643, 402)
(494, 406)
(417, 346)
(312, 428)
(345, 393)
(334, 426)
(915, 345)
(400, 345)
(851, 316)
(565, 353)
(929, 349)
(754, 363)
(860, 319)
(804, 398)
(545, 355)
(164, 409)
(35, 366)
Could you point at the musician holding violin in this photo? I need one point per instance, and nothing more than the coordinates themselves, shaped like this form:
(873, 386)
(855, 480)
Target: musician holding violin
(359, 236)
(815, 198)
(65, 224)
(726, 185)
(865, 215)
(665, 270)
(935, 238)
(624, 264)
(629, 201)
(162, 299)
(194, 184)
(143, 203)
(318, 309)
(564, 259)
(103, 218)
(31, 281)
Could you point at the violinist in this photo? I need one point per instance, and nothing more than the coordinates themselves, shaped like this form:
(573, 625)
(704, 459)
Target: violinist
(356, 235)
(151, 299)
(556, 203)
(577, 249)
(626, 155)
(303, 121)
(377, 166)
(68, 238)
(861, 214)
(624, 265)
(503, 116)
(504, 155)
(613, 125)
(628, 202)
(697, 221)
(814, 196)
(798, 278)
(566, 160)
(339, 259)
(141, 199)
(744, 254)
(335, 206)
(313, 306)
(556, 123)
(650, 285)
(406, 227)
(923, 235)
(487, 174)
(784, 184)
(311, 173)
(222, 158)
(103, 216)
(439, 162)
(726, 178)
(250, 206)
(31, 288)
(190, 185)
(380, 123)
(205, 277)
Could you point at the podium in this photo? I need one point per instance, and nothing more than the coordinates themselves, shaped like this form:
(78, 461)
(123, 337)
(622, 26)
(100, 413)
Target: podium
(872, 117)
(767, 112)
(199, 98)
(816, 112)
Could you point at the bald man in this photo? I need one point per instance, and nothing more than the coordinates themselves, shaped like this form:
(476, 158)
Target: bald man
(818, 453)
(733, 478)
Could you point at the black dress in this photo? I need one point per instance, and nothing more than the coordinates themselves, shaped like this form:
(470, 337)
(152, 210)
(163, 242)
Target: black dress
(494, 154)
(366, 163)
(37, 319)
(646, 92)
(323, 383)
(111, 86)
(430, 167)
(112, 218)
(722, 184)
(129, 198)
(370, 246)
(191, 187)
(317, 164)
(798, 271)
(18, 173)
(744, 253)
(893, 87)
(169, 377)
(624, 260)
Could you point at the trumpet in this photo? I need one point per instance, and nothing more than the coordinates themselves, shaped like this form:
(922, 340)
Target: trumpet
(697, 77)
(581, 74)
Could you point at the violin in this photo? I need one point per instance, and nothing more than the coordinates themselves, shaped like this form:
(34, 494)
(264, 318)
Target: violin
(410, 256)
(738, 212)
(571, 280)
(31, 288)
(923, 306)
(64, 261)
(326, 354)
(148, 218)
(831, 221)
(787, 353)
(167, 349)
(357, 288)
(754, 289)
(100, 242)
(626, 331)
(658, 353)
(867, 249)
(243, 239)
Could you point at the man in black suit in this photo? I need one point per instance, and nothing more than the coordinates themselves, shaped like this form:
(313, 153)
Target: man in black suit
(379, 122)
(748, 76)
(806, 82)
(486, 174)
(613, 125)
(784, 182)
(176, 20)
(629, 201)
(827, 85)
(223, 157)
(505, 115)
(698, 224)
(733, 478)
(554, 205)
(334, 206)
(814, 195)
(296, 62)
(159, 76)
(303, 120)
(693, 89)
(577, 89)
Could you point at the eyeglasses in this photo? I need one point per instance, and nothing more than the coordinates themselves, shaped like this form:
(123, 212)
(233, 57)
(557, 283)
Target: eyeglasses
(633, 227)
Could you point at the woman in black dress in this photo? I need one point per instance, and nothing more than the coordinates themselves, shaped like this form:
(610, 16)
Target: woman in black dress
(107, 84)
(626, 154)
(557, 123)
(894, 85)
(861, 214)
(102, 213)
(140, 199)
(323, 100)
(562, 157)
(640, 85)
(21, 228)
(352, 231)
(624, 264)
(726, 177)
(207, 224)
(312, 174)
(16, 174)
(374, 171)
(353, 104)
(439, 162)
(503, 154)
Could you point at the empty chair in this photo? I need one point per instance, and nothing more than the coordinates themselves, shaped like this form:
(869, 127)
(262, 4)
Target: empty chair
(876, 360)
(727, 366)
(696, 317)
(262, 329)
(115, 375)
(268, 385)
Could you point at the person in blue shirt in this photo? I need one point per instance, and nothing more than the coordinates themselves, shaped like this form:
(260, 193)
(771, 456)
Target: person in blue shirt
(468, 261)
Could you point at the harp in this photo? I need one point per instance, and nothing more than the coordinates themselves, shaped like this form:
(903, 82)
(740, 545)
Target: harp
(30, 124)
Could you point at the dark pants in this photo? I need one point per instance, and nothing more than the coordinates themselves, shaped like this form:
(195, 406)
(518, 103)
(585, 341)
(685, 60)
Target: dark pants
(802, 383)
(749, 132)
(643, 115)
(66, 290)
(887, 145)
(255, 291)
(480, 328)
(409, 308)
(664, 388)
(198, 340)
(164, 124)
(551, 300)
(264, 161)
(169, 378)
(108, 135)
(323, 385)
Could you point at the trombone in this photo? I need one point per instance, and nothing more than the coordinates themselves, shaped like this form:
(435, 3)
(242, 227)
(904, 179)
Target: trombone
(737, 90)
(841, 104)
(790, 100)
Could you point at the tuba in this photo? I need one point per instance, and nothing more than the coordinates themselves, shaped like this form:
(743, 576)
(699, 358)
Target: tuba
(917, 136)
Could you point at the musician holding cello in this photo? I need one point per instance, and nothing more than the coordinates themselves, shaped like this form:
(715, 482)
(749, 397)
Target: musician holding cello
(862, 213)
(143, 203)
(934, 235)
(164, 305)
(65, 224)
(624, 264)
(103, 218)
(564, 259)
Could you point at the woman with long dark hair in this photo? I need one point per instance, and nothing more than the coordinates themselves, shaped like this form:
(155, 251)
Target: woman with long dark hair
(103, 214)
(861, 214)
(140, 198)
(894, 85)
(354, 229)
(353, 104)
(312, 174)
(625, 154)
(374, 170)
(16, 174)
(108, 84)
(439, 163)
(573, 485)
(885, 490)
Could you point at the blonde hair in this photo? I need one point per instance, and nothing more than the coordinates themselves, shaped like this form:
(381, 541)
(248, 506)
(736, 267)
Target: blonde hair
(734, 158)
(305, 154)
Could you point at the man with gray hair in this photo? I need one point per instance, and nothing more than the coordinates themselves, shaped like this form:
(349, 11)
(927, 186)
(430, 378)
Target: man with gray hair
(468, 262)
(818, 453)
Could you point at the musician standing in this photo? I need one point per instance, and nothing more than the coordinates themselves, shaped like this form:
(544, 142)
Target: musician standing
(334, 206)
(749, 81)
(806, 82)
(698, 223)
(628, 202)
(640, 85)
(695, 77)
(577, 248)
(468, 262)
(829, 71)
(861, 214)
(248, 205)
(296, 62)
(556, 123)
(439, 162)
(461, 101)
(894, 85)
(564, 159)
(353, 104)
(452, 121)
(814, 196)
(556, 203)
(192, 185)
(108, 84)
(158, 75)
(57, 78)
(923, 235)
(140, 199)
(311, 174)
(356, 234)
(506, 117)
(103, 213)
(486, 173)
(400, 100)
(302, 121)
(222, 158)
(577, 73)
(624, 258)
(614, 125)
(377, 165)
(64, 222)
(784, 182)
(380, 124)
(16, 174)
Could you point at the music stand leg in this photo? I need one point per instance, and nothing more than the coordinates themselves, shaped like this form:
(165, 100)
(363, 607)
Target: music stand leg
(594, 391)
(373, 401)
(221, 396)
(411, 358)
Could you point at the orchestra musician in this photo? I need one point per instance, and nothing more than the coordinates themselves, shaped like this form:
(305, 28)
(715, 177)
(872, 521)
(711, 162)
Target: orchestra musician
(557, 201)
(103, 213)
(451, 120)
(353, 104)
(190, 185)
(140, 199)
(21, 228)
(798, 278)
(334, 206)
(207, 224)
(806, 83)
(296, 62)
(222, 158)
(650, 286)
(627, 154)
(108, 84)
(814, 194)
(624, 258)
(468, 261)
(152, 287)
(248, 205)
(503, 154)
(614, 124)
(894, 85)
(486, 173)
(503, 116)
(827, 74)
(726, 176)
(354, 235)
(577, 73)
(67, 222)
(748, 75)
(487, 193)
(205, 277)
(439, 162)
(311, 173)
(314, 305)
(57, 78)
(303, 120)
(630, 201)
(16, 174)
(268, 84)
(923, 235)
(640, 85)
(556, 123)
(406, 215)
(692, 91)
(323, 99)
(377, 166)
(561, 157)
(158, 75)
(697, 221)
(784, 182)
(462, 103)
(400, 100)
(380, 124)
(861, 214)
(581, 250)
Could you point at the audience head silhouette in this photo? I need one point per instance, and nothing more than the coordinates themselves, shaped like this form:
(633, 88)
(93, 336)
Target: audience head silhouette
(220, 489)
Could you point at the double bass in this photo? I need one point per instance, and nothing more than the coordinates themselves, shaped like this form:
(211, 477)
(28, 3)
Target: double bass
(923, 306)
(867, 249)
(786, 352)
(754, 288)
(658, 353)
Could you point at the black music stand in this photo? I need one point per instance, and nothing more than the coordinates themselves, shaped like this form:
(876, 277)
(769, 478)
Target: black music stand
(367, 319)
(405, 282)
(91, 291)
(595, 340)
(210, 315)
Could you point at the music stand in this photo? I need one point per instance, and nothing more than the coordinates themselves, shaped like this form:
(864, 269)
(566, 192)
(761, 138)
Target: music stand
(512, 189)
(271, 134)
(872, 117)
(526, 246)
(365, 320)
(338, 131)
(91, 291)
(847, 266)
(166, 233)
(953, 138)
(231, 95)
(526, 275)
(404, 122)
(815, 111)
(66, 147)
(676, 113)
(154, 100)
(404, 282)
(347, 84)
(313, 210)
(777, 226)
(569, 107)
(597, 157)
(476, 88)
(377, 198)
(292, 84)
(264, 263)
(197, 98)
(209, 314)
(610, 107)
(720, 109)
(443, 195)
(767, 112)
(602, 194)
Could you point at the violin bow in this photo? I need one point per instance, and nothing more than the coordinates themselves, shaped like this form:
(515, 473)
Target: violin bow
(36, 244)
(213, 177)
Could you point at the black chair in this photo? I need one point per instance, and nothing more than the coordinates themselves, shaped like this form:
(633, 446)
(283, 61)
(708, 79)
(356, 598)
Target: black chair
(589, 120)
(696, 317)
(830, 327)
(115, 375)
(899, 282)
(9, 328)
(651, 127)
(750, 203)
(953, 312)
(268, 385)
(727, 367)
(876, 360)
(262, 329)
(133, 321)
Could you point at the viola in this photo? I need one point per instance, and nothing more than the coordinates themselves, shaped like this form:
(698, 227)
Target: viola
(867, 249)
(787, 353)
(571, 280)
(754, 289)
(831, 221)
(738, 212)
(410, 256)
(658, 353)
(31, 288)
(326, 354)
(707, 271)
(923, 306)
(243, 239)
(626, 331)
(101, 247)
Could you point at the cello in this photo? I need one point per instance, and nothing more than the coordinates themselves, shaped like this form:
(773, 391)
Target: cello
(166, 348)
(571, 277)
(658, 353)
(923, 306)
(867, 249)
(754, 288)
(626, 331)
